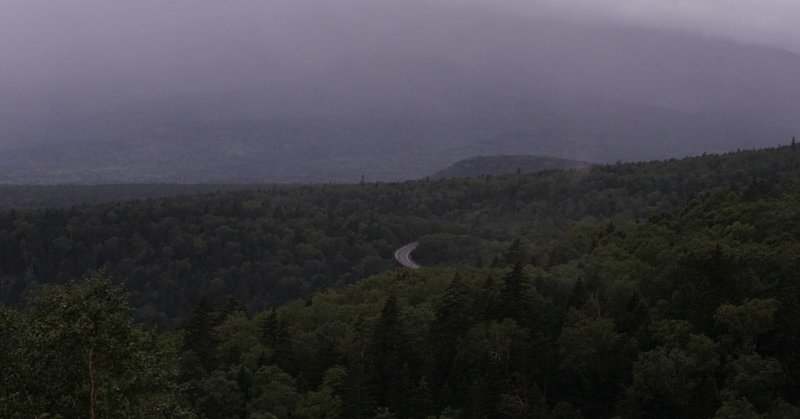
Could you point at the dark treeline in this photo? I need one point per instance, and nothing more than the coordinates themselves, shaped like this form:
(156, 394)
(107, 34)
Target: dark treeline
(692, 313)
(272, 245)
(54, 196)
(689, 315)
(506, 164)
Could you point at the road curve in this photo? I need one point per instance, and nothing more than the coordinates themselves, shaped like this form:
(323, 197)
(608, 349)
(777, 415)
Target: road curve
(403, 256)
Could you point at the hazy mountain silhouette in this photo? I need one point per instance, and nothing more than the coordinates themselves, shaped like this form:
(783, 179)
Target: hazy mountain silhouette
(505, 164)
(392, 105)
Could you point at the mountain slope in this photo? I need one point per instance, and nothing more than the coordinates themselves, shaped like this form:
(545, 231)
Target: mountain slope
(502, 165)
(691, 313)
(394, 107)
(277, 243)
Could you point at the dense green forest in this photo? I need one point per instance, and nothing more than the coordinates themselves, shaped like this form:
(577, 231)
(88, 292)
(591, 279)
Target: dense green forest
(18, 196)
(642, 290)
(54, 196)
(272, 245)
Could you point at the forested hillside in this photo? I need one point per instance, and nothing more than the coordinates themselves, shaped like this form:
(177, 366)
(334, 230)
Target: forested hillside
(269, 246)
(661, 290)
(690, 315)
(55, 196)
(414, 209)
(506, 164)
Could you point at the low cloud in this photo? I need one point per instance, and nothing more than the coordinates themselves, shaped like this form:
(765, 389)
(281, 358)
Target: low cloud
(766, 22)
(124, 50)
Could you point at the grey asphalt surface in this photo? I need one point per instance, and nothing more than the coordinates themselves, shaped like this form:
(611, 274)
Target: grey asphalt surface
(403, 256)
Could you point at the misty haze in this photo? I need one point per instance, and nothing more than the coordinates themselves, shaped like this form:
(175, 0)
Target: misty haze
(99, 92)
(390, 209)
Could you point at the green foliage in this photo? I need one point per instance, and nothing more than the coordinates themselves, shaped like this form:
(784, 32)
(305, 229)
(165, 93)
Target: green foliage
(670, 380)
(613, 295)
(73, 351)
(737, 409)
(274, 392)
(271, 244)
(745, 322)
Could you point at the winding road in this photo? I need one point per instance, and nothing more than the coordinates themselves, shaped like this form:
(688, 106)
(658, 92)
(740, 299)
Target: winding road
(403, 256)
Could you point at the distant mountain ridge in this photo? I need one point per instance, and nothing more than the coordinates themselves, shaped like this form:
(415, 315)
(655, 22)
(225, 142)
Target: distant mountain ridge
(397, 108)
(506, 164)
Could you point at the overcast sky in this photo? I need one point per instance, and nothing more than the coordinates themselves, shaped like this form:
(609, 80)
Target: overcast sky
(43, 42)
(770, 22)
(107, 69)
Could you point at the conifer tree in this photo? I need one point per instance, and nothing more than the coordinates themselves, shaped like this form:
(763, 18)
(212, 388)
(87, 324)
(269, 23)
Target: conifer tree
(275, 335)
(357, 393)
(515, 296)
(452, 319)
(388, 354)
(199, 334)
(516, 254)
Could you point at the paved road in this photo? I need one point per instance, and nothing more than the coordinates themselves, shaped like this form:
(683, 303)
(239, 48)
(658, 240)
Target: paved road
(403, 256)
